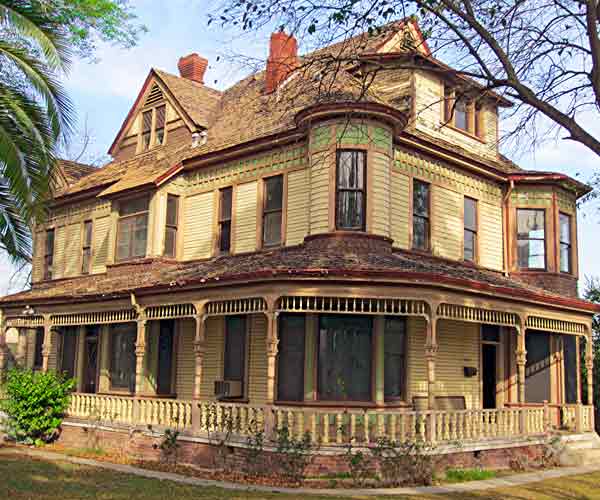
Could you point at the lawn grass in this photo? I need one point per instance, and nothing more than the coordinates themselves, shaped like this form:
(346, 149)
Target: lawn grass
(23, 478)
(463, 475)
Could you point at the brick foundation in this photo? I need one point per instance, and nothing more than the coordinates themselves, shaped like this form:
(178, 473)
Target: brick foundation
(139, 445)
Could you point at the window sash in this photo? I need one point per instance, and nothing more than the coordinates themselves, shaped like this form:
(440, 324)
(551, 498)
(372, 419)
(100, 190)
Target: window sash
(470, 245)
(272, 210)
(351, 197)
(225, 212)
(531, 241)
(565, 243)
(160, 124)
(421, 217)
(86, 249)
(171, 226)
(132, 236)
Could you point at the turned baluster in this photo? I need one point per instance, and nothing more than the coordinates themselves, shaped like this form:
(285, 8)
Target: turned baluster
(339, 429)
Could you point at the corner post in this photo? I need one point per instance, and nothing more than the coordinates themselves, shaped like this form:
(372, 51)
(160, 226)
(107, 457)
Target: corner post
(199, 353)
(140, 353)
(589, 366)
(47, 345)
(521, 357)
(431, 349)
(272, 349)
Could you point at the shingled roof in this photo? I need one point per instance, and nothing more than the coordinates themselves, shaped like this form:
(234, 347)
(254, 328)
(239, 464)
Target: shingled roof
(340, 262)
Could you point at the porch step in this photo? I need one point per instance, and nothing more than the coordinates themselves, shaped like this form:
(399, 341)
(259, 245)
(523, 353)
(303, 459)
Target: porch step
(583, 449)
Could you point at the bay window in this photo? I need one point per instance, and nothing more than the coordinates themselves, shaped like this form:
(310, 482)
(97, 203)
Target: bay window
(132, 230)
(531, 238)
(122, 356)
(565, 243)
(344, 358)
(350, 190)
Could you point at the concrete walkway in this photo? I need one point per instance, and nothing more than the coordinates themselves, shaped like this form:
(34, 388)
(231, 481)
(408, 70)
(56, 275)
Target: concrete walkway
(488, 484)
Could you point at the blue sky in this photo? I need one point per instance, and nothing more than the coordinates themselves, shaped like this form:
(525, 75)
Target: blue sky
(103, 93)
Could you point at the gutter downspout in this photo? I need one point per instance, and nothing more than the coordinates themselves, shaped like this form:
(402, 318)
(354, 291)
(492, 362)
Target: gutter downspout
(505, 220)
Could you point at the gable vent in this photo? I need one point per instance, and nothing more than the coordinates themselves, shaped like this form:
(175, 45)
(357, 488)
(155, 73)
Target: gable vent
(155, 95)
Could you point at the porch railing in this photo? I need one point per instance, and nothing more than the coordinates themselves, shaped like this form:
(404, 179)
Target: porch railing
(327, 426)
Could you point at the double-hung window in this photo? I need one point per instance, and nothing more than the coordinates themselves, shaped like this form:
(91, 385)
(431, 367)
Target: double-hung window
(565, 242)
(421, 222)
(49, 254)
(350, 190)
(470, 230)
(86, 248)
(225, 201)
(171, 225)
(132, 232)
(531, 238)
(272, 210)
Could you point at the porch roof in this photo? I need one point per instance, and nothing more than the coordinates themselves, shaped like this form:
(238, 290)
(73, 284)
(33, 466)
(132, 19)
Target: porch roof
(313, 259)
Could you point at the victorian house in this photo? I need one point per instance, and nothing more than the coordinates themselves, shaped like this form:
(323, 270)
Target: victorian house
(342, 251)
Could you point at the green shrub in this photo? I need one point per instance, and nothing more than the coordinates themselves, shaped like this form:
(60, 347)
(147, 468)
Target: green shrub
(35, 404)
(463, 475)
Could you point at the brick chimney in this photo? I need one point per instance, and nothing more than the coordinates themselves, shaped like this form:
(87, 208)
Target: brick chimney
(193, 67)
(283, 59)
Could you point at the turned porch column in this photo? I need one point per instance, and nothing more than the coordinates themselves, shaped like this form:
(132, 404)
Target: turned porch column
(521, 356)
(3, 346)
(140, 355)
(199, 352)
(47, 345)
(589, 366)
(272, 343)
(431, 349)
(21, 357)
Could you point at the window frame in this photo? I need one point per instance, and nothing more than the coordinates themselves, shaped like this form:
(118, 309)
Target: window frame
(145, 213)
(474, 230)
(473, 113)
(49, 253)
(86, 246)
(174, 227)
(427, 218)
(362, 190)
(544, 239)
(266, 212)
(222, 221)
(568, 244)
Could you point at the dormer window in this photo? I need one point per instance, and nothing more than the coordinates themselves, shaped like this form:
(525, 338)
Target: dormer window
(462, 113)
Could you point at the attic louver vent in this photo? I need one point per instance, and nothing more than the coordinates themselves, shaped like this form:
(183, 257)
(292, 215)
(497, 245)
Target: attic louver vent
(154, 96)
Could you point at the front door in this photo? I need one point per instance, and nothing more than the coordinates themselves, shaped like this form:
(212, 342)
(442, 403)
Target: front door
(488, 375)
(90, 362)
(165, 357)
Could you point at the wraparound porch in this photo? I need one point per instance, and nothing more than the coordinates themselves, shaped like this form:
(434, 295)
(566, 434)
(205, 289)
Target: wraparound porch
(419, 368)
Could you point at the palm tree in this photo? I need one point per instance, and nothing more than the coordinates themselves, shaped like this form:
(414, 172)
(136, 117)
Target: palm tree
(35, 117)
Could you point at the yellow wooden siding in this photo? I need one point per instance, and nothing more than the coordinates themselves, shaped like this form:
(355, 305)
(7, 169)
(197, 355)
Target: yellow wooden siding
(257, 366)
(39, 244)
(184, 385)
(490, 236)
(298, 195)
(447, 223)
(244, 239)
(319, 192)
(380, 193)
(399, 209)
(198, 226)
(58, 262)
(459, 346)
(213, 358)
(101, 244)
(72, 250)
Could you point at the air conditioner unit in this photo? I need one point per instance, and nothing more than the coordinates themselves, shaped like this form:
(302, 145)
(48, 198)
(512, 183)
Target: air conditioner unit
(228, 389)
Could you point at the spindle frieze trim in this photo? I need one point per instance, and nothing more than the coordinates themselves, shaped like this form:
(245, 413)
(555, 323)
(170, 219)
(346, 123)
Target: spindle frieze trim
(556, 325)
(94, 318)
(477, 315)
(170, 311)
(24, 321)
(236, 306)
(353, 305)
